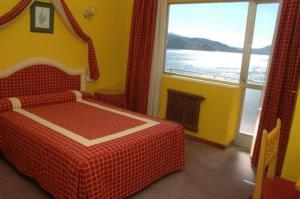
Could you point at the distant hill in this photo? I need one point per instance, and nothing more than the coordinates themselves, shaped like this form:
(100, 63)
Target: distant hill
(263, 51)
(181, 42)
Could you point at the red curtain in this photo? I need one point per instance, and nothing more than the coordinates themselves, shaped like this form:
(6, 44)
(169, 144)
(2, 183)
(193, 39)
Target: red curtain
(281, 91)
(140, 54)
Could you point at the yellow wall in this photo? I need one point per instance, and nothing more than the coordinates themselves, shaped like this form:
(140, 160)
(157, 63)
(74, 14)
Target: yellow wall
(291, 169)
(219, 116)
(109, 29)
(219, 113)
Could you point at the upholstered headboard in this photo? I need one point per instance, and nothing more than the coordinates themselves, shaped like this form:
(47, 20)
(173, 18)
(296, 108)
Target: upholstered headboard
(39, 76)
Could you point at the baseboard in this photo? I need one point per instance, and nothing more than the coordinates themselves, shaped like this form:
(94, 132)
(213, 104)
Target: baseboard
(214, 144)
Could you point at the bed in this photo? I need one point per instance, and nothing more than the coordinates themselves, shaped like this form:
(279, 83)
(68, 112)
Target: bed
(74, 146)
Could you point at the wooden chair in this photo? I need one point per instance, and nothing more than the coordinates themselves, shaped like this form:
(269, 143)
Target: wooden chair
(298, 185)
(266, 185)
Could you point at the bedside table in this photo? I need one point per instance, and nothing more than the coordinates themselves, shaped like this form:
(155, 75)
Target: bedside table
(111, 96)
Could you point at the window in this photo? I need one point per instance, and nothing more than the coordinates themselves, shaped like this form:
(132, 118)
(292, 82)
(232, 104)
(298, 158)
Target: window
(225, 41)
(265, 21)
(206, 40)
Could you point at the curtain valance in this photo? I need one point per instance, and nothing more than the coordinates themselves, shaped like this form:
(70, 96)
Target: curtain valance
(70, 21)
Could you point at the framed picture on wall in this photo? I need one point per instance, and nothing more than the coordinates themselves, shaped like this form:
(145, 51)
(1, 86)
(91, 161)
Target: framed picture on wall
(42, 17)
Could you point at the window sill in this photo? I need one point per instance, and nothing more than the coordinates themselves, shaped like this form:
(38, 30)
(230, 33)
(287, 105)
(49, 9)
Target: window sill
(246, 133)
(204, 80)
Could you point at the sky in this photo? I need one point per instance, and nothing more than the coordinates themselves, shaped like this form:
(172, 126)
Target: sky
(223, 22)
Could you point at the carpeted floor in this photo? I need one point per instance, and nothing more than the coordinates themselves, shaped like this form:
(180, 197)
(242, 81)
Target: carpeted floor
(210, 174)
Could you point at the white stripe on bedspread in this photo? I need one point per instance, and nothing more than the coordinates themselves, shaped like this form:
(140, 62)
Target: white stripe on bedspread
(84, 141)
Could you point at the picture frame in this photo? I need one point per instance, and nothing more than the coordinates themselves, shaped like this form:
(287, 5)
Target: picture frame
(42, 17)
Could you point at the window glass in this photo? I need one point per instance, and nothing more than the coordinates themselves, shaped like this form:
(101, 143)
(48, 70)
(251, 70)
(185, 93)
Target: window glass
(206, 40)
(265, 22)
(250, 111)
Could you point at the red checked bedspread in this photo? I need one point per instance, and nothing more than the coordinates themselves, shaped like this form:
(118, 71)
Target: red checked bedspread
(75, 147)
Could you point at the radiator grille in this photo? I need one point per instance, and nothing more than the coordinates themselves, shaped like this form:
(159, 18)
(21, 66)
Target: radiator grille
(184, 108)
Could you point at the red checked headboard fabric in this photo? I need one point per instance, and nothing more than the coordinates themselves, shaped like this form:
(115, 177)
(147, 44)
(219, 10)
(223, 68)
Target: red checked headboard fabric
(38, 78)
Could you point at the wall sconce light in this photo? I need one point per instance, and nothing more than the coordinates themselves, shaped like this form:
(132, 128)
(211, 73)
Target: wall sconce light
(89, 13)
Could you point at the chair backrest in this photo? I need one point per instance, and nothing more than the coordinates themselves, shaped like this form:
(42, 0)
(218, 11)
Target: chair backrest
(267, 158)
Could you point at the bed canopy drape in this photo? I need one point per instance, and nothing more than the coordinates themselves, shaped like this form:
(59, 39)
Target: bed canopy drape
(70, 21)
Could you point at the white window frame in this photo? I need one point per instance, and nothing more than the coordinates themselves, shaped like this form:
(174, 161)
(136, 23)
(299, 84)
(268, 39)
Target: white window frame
(250, 25)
